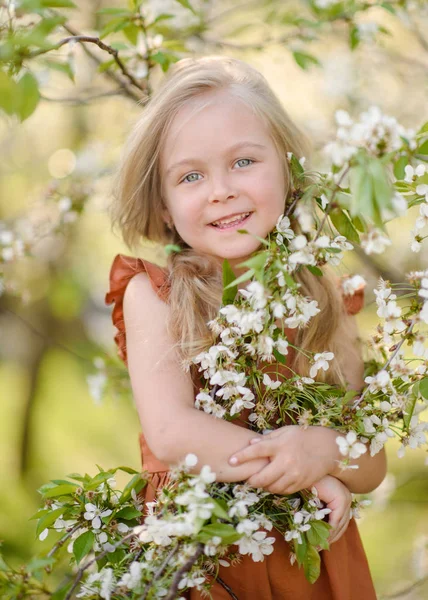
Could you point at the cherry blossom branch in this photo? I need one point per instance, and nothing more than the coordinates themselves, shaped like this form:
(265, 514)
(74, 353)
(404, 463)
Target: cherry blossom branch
(391, 358)
(128, 90)
(159, 572)
(86, 566)
(62, 541)
(172, 594)
(92, 40)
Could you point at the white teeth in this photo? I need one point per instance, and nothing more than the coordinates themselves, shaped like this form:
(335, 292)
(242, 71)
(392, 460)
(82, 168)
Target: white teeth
(234, 219)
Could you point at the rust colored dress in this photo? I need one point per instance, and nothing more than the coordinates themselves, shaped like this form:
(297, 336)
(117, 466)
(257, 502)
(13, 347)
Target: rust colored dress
(345, 573)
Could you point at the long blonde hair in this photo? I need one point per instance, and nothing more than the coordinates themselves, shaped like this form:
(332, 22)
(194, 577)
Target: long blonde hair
(195, 279)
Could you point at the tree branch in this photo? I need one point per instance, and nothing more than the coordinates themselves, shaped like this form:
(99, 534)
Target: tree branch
(92, 40)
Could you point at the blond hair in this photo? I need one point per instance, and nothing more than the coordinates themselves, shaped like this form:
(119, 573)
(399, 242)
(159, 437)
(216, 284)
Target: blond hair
(195, 278)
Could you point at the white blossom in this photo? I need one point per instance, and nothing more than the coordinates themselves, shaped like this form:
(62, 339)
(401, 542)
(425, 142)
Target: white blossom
(94, 514)
(321, 362)
(349, 446)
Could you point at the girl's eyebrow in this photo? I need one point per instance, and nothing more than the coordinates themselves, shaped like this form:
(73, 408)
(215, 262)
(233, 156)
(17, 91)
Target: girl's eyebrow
(233, 148)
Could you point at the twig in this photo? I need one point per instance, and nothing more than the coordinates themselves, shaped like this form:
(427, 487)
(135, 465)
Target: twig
(159, 572)
(92, 40)
(391, 358)
(62, 541)
(227, 588)
(47, 338)
(81, 571)
(172, 594)
(407, 590)
(78, 100)
(128, 90)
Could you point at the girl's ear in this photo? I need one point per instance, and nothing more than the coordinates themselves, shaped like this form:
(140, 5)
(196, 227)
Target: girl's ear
(166, 217)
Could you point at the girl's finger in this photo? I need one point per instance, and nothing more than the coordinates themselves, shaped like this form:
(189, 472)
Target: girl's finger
(266, 476)
(341, 516)
(342, 527)
(279, 486)
(262, 449)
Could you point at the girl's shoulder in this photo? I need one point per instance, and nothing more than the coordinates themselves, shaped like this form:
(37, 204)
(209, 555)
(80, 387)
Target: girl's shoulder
(123, 269)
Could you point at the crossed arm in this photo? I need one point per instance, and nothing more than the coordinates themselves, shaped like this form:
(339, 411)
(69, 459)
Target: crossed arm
(174, 428)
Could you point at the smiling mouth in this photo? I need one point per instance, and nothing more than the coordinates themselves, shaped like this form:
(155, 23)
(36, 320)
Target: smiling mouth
(231, 221)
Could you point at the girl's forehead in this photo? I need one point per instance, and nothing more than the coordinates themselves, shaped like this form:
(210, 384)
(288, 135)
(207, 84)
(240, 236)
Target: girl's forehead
(207, 111)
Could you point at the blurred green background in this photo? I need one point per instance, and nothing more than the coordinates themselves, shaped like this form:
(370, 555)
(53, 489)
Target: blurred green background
(53, 321)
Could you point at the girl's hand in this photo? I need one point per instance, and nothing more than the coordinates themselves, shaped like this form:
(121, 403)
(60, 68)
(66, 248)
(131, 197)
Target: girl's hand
(338, 498)
(298, 457)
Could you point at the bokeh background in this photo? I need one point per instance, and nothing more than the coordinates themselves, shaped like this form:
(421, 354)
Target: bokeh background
(59, 414)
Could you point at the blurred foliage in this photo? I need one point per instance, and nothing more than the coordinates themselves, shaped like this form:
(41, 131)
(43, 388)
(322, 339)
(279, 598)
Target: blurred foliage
(73, 76)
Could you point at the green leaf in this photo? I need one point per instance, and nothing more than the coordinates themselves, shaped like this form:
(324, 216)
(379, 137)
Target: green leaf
(229, 290)
(243, 277)
(170, 248)
(220, 509)
(344, 225)
(256, 262)
(361, 190)
(113, 26)
(408, 413)
(399, 166)
(105, 65)
(164, 59)
(8, 93)
(119, 12)
(32, 5)
(227, 533)
(186, 4)
(305, 60)
(61, 593)
(39, 563)
(314, 270)
(424, 128)
(279, 357)
(159, 18)
(137, 483)
(128, 470)
(312, 564)
(354, 37)
(423, 387)
(60, 490)
(62, 67)
(318, 534)
(57, 4)
(423, 148)
(128, 513)
(387, 6)
(47, 520)
(301, 550)
(382, 189)
(83, 545)
(131, 33)
(28, 96)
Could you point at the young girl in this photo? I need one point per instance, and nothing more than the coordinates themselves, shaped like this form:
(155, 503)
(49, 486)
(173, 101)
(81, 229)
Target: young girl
(208, 157)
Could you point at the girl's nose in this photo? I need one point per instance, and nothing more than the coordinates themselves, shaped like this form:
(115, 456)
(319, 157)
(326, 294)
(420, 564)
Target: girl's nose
(221, 191)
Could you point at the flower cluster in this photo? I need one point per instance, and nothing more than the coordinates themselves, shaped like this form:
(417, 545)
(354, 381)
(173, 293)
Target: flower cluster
(377, 133)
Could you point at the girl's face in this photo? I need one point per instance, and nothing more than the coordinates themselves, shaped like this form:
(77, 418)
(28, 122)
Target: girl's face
(221, 172)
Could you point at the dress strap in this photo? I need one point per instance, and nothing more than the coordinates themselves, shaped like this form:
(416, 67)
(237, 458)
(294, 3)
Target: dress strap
(121, 272)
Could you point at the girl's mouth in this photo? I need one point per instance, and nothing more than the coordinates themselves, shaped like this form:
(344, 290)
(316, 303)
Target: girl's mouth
(231, 222)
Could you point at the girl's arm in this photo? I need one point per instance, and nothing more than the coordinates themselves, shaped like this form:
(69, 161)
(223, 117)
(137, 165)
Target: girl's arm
(164, 394)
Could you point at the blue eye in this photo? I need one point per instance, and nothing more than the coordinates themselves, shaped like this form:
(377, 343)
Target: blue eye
(243, 159)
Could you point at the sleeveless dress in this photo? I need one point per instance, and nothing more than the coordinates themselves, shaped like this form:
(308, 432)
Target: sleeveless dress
(345, 573)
